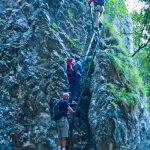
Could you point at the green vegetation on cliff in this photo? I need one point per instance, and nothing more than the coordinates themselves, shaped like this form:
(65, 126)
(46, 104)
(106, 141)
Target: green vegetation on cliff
(134, 74)
(141, 39)
(131, 85)
(116, 8)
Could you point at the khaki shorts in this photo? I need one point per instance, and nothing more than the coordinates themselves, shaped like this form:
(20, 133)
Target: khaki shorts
(62, 127)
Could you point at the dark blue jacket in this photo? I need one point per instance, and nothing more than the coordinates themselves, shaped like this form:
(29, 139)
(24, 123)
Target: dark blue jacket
(100, 2)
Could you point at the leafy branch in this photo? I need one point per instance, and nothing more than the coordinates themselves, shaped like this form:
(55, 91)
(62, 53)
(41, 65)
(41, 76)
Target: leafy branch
(141, 47)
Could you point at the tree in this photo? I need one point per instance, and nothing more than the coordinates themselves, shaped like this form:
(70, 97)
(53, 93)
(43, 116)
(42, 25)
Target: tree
(141, 28)
(141, 36)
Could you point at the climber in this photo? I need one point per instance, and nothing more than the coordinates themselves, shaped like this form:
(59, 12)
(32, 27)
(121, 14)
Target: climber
(74, 74)
(62, 124)
(98, 10)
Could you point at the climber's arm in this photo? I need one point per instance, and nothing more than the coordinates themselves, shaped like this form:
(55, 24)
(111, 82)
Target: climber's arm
(70, 110)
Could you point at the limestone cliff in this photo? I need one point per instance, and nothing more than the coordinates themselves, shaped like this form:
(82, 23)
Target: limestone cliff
(36, 37)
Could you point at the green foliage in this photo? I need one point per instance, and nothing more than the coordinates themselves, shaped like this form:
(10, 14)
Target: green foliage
(71, 42)
(141, 35)
(124, 63)
(75, 47)
(109, 27)
(141, 27)
(114, 103)
(143, 63)
(129, 99)
(127, 73)
(111, 32)
(62, 58)
(110, 86)
(116, 8)
(53, 28)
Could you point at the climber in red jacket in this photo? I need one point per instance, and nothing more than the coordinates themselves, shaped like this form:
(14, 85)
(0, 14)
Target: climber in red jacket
(74, 73)
(98, 10)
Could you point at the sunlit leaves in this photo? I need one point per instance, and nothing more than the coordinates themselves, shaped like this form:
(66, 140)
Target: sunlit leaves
(116, 8)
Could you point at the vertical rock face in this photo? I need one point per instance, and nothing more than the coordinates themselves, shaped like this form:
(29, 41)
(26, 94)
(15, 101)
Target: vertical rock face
(124, 26)
(33, 41)
(113, 125)
(36, 37)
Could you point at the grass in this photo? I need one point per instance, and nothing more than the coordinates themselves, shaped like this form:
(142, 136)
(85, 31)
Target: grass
(110, 32)
(71, 42)
(53, 28)
(62, 58)
(127, 72)
(116, 9)
(129, 99)
(114, 104)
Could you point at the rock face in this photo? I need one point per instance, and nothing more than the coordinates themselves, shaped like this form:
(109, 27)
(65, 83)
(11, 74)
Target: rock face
(126, 30)
(115, 127)
(36, 37)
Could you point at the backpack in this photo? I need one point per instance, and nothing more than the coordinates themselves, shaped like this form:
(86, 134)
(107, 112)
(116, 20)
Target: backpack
(79, 69)
(54, 109)
(100, 2)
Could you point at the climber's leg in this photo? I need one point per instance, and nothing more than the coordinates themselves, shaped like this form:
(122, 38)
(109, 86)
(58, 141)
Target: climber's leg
(101, 12)
(72, 91)
(77, 90)
(96, 17)
(59, 144)
(98, 12)
(63, 141)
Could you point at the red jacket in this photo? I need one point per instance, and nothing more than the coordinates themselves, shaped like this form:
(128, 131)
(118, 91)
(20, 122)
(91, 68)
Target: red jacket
(69, 61)
(74, 76)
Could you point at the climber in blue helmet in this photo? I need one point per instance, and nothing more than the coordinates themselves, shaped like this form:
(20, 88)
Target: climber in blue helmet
(98, 10)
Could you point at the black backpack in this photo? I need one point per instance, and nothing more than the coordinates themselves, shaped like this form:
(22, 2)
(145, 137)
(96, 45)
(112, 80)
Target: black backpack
(100, 2)
(54, 109)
